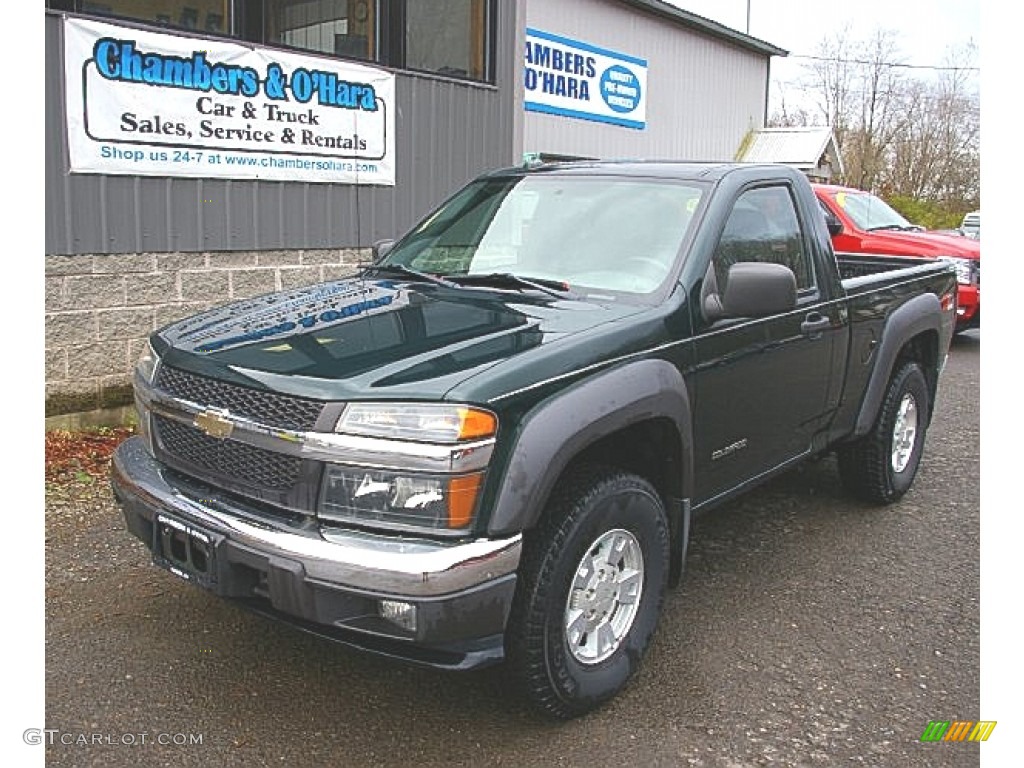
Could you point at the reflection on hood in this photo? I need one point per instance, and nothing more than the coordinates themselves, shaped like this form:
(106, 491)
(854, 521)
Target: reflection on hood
(356, 338)
(285, 314)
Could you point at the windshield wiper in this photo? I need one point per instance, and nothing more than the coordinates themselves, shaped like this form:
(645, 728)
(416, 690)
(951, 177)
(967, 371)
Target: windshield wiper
(554, 288)
(401, 269)
(897, 227)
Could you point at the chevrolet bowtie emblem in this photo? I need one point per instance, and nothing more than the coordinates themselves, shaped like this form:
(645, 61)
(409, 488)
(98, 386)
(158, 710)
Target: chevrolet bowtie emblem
(214, 424)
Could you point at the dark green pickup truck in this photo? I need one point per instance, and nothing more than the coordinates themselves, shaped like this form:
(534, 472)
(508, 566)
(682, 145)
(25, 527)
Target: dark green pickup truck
(489, 444)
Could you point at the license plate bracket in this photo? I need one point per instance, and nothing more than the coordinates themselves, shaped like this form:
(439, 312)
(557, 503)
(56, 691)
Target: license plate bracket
(186, 550)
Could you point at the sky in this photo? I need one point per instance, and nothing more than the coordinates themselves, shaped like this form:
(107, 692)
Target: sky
(926, 28)
(926, 31)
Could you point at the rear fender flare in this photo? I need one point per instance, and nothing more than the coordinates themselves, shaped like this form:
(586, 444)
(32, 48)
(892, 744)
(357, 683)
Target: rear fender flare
(921, 314)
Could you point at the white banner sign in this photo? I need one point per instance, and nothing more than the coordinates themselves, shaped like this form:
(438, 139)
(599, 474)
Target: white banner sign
(153, 104)
(575, 79)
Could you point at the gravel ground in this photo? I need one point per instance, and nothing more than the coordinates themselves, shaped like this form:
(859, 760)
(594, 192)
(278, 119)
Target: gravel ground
(809, 631)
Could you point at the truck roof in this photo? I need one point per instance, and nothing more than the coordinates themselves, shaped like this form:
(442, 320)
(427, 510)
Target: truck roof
(669, 169)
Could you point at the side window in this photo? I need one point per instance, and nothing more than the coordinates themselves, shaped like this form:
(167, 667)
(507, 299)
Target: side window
(763, 226)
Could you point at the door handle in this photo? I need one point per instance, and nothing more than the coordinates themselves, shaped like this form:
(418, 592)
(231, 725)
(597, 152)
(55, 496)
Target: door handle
(814, 324)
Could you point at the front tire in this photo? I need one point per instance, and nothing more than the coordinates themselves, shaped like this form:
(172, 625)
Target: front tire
(591, 586)
(880, 467)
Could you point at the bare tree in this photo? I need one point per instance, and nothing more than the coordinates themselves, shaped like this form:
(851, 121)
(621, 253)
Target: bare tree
(899, 132)
(830, 77)
(915, 153)
(877, 121)
(936, 154)
(784, 115)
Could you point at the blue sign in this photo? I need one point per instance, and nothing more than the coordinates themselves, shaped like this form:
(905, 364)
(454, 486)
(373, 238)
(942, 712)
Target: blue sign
(571, 78)
(620, 89)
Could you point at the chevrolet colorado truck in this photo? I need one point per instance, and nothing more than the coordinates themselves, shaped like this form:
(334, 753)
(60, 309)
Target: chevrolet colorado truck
(488, 445)
(860, 222)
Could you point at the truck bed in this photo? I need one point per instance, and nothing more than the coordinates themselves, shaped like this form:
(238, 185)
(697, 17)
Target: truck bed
(861, 264)
(861, 272)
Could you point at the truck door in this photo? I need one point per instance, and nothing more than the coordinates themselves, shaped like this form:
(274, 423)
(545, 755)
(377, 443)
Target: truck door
(761, 384)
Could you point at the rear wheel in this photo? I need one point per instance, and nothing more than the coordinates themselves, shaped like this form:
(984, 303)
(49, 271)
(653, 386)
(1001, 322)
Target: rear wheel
(591, 586)
(881, 466)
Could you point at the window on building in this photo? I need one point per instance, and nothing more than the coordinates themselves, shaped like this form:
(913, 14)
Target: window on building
(447, 36)
(338, 27)
(199, 15)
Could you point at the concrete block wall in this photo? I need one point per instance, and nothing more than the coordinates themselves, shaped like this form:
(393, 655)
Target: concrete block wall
(100, 308)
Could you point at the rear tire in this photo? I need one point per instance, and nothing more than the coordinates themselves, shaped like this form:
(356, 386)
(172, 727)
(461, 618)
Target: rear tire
(591, 585)
(880, 466)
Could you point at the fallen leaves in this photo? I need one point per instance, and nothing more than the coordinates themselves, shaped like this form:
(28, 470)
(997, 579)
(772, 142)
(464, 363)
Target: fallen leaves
(82, 457)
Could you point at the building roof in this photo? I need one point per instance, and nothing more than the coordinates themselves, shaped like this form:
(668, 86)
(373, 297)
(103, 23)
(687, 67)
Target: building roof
(708, 27)
(800, 147)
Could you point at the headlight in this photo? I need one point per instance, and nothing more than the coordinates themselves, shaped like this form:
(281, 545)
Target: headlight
(145, 368)
(964, 269)
(422, 499)
(399, 500)
(422, 422)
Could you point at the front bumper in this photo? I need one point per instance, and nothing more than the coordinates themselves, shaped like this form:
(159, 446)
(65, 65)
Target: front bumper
(968, 307)
(329, 581)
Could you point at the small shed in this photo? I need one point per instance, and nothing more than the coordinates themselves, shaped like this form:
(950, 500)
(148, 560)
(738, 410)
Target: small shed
(812, 150)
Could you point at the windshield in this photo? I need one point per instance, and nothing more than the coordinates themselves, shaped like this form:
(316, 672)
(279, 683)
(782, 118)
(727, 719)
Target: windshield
(614, 235)
(869, 212)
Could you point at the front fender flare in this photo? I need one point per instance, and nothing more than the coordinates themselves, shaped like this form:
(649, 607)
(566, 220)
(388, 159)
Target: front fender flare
(560, 428)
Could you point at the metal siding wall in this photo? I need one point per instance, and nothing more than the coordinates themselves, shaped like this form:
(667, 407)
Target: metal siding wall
(704, 94)
(447, 133)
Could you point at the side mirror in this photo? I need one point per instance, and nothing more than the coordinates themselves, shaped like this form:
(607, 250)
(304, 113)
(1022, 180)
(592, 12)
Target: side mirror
(753, 289)
(835, 226)
(381, 248)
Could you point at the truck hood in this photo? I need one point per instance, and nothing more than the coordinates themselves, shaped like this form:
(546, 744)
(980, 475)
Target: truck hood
(922, 243)
(362, 338)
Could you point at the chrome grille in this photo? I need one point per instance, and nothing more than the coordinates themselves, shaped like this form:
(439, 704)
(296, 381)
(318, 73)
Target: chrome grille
(210, 457)
(269, 408)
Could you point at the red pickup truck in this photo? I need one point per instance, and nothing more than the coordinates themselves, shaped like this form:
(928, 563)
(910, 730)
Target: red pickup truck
(860, 222)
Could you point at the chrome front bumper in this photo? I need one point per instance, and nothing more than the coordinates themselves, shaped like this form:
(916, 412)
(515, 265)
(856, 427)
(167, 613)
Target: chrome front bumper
(328, 577)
